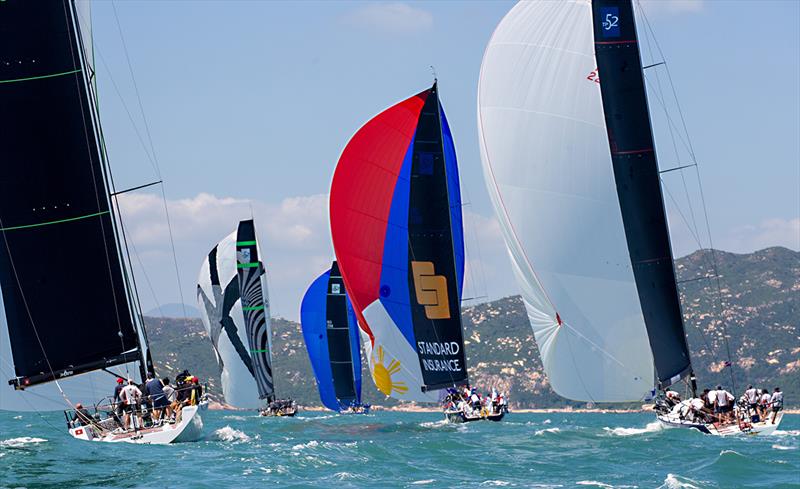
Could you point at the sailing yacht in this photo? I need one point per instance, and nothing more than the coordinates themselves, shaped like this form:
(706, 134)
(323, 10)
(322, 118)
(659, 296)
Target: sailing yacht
(69, 300)
(234, 306)
(570, 164)
(396, 224)
(330, 332)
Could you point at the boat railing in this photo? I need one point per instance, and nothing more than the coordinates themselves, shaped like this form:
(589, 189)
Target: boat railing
(106, 415)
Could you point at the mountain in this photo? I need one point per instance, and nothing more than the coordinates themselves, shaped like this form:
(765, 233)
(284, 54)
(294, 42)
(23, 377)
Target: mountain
(760, 307)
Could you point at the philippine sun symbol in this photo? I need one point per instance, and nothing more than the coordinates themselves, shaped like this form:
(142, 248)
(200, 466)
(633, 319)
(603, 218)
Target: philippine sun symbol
(382, 375)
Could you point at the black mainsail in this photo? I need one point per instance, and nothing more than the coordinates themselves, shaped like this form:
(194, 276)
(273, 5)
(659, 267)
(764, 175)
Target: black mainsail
(65, 291)
(636, 173)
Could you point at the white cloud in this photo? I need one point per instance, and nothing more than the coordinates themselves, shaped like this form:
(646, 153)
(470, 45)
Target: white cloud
(769, 232)
(390, 17)
(295, 243)
(672, 7)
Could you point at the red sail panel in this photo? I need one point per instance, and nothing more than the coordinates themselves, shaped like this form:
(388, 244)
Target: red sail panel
(361, 197)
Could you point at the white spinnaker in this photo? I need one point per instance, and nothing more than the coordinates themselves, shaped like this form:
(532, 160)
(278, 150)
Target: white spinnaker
(238, 385)
(547, 166)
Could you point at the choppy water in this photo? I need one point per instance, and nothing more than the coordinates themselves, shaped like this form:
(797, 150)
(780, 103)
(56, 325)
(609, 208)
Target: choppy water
(404, 450)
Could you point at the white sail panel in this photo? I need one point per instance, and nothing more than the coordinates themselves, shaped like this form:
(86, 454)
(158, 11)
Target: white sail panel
(224, 323)
(548, 170)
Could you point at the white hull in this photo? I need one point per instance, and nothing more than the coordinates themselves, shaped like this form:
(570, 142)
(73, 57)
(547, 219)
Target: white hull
(189, 429)
(762, 428)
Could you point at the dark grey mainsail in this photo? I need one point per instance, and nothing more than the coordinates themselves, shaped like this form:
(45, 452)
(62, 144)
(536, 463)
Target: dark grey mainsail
(68, 303)
(636, 173)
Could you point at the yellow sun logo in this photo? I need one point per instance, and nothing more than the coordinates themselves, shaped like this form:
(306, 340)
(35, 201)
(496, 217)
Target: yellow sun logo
(382, 375)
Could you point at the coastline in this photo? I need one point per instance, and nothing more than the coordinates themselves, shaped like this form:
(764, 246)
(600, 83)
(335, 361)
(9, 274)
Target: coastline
(218, 406)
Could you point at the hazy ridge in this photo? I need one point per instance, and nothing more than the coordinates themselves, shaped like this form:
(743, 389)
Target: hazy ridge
(760, 304)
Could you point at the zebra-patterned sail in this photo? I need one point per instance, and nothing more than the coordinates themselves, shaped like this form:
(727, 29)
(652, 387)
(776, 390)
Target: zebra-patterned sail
(234, 306)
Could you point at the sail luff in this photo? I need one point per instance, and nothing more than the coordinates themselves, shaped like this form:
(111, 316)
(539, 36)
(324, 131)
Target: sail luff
(638, 184)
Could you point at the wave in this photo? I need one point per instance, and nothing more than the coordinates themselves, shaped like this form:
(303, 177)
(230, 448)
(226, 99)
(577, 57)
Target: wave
(594, 483)
(653, 427)
(235, 417)
(495, 483)
(21, 442)
(423, 482)
(230, 435)
(303, 446)
(677, 482)
(786, 433)
(547, 430)
(781, 447)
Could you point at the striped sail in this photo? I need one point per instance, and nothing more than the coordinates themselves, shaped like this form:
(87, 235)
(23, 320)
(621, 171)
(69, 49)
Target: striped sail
(234, 307)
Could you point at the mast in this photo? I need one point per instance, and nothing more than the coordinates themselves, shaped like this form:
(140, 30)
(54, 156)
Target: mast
(633, 155)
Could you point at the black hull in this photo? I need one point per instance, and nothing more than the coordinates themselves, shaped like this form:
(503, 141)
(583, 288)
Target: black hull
(461, 417)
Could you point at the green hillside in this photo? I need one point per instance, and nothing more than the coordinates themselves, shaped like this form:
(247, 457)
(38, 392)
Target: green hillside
(760, 310)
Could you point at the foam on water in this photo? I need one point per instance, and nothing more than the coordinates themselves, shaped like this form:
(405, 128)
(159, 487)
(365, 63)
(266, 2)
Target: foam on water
(234, 417)
(303, 446)
(229, 434)
(653, 427)
(786, 433)
(677, 482)
(354, 451)
(21, 442)
(594, 483)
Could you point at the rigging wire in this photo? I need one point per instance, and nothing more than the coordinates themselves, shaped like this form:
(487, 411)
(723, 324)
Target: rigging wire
(719, 302)
(155, 157)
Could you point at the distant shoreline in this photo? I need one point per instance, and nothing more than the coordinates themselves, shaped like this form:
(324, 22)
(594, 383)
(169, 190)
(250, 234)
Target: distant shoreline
(217, 406)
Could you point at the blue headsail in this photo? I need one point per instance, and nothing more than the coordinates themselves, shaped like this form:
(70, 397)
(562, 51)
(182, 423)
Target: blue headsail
(330, 331)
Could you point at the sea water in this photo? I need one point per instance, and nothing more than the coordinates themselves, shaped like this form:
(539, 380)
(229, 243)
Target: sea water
(390, 449)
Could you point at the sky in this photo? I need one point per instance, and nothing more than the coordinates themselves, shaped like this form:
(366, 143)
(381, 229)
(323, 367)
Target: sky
(243, 108)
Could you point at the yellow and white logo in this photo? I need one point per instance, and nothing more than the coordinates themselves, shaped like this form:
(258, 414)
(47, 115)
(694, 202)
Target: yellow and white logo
(382, 375)
(431, 290)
